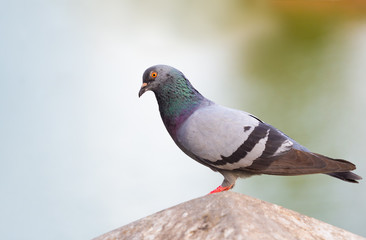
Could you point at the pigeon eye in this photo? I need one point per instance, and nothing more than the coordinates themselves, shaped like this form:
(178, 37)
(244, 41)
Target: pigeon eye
(153, 74)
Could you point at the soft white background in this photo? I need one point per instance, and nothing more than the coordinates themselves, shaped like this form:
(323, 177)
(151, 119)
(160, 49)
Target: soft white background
(81, 154)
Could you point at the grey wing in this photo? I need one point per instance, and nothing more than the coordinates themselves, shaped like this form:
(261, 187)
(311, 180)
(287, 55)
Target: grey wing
(229, 139)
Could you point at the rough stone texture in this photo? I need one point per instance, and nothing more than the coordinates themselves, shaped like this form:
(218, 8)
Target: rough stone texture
(228, 215)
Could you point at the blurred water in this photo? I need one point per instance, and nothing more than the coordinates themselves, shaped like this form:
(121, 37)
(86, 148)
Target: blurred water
(80, 154)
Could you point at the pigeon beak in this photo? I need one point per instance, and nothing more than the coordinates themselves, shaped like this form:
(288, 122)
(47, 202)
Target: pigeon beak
(143, 89)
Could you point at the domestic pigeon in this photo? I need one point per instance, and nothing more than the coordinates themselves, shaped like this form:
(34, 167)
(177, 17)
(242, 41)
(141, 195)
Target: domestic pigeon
(232, 142)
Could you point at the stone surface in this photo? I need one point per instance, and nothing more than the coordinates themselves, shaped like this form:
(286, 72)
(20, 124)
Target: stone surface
(228, 215)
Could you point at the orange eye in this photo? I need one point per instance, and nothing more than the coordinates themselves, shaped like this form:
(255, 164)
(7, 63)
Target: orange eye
(153, 74)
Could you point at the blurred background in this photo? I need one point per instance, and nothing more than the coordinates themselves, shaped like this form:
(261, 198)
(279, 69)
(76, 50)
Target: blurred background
(81, 154)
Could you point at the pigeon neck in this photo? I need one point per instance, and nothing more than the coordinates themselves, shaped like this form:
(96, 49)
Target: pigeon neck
(176, 103)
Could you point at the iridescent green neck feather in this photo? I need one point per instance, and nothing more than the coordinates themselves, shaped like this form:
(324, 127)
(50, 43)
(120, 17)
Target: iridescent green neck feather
(177, 100)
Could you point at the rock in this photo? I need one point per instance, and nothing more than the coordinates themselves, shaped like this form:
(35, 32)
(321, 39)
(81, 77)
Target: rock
(228, 215)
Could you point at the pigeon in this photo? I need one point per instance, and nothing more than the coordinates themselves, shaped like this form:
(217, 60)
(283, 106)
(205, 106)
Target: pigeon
(234, 143)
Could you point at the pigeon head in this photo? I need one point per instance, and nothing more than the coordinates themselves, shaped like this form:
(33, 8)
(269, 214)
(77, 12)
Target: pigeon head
(160, 77)
(176, 97)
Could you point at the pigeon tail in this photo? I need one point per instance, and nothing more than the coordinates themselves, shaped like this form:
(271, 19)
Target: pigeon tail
(297, 162)
(346, 176)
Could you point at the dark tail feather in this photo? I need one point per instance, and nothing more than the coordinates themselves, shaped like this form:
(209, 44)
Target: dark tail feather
(346, 176)
(297, 162)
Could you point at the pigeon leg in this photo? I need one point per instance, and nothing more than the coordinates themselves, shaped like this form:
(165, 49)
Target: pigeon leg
(222, 189)
(228, 183)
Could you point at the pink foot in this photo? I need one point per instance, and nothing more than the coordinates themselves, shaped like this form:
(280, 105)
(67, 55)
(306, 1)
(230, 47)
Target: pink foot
(221, 189)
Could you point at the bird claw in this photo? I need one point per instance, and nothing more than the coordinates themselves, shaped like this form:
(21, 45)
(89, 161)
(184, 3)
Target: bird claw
(222, 189)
